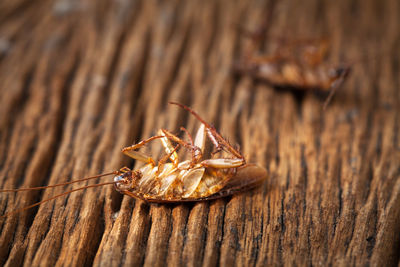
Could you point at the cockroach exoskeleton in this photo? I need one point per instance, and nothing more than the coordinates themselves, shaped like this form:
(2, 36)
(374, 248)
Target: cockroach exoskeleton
(190, 180)
(299, 65)
(169, 180)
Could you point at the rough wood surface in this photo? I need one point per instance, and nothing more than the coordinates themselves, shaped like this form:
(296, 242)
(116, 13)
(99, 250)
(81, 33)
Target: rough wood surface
(79, 80)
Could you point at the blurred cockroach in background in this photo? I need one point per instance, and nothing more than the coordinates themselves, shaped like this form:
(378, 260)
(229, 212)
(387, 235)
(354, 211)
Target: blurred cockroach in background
(296, 65)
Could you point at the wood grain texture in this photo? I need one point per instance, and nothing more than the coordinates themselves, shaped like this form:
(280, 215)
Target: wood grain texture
(81, 80)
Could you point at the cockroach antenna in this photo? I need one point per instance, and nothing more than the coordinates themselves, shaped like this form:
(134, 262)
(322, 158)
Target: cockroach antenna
(56, 185)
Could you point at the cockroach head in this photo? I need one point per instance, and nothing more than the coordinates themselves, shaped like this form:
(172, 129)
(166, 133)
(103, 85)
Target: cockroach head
(127, 180)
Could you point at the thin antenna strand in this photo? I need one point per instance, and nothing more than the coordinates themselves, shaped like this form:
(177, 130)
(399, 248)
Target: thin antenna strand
(52, 198)
(61, 184)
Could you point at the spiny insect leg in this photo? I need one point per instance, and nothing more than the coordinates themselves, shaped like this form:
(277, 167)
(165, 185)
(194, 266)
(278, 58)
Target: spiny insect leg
(198, 144)
(215, 142)
(130, 151)
(336, 84)
(164, 159)
(213, 132)
(169, 149)
(176, 139)
(221, 143)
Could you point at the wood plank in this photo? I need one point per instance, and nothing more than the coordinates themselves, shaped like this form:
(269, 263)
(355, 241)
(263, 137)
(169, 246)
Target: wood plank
(81, 80)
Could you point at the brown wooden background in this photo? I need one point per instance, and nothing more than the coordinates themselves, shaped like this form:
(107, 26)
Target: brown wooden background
(79, 80)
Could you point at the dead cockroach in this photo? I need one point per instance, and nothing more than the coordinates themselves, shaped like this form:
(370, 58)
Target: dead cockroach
(299, 65)
(195, 179)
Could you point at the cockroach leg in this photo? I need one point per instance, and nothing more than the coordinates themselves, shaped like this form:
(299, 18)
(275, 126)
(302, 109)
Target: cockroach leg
(169, 149)
(344, 71)
(215, 142)
(177, 140)
(223, 163)
(164, 159)
(200, 140)
(188, 134)
(130, 151)
(221, 143)
(193, 151)
(212, 132)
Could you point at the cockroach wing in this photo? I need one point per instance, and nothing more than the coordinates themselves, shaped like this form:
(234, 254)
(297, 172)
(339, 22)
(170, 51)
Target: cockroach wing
(246, 177)
(190, 180)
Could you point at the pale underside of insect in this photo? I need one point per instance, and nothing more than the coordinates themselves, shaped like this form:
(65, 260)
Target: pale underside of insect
(190, 180)
(169, 180)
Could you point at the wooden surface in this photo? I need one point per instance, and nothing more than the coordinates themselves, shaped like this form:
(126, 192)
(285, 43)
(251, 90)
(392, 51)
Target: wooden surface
(79, 80)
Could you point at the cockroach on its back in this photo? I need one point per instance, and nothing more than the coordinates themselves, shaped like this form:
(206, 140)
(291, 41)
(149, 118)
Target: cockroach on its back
(297, 65)
(196, 179)
(191, 180)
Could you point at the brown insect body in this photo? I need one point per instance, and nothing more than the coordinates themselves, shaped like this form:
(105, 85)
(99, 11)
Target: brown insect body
(196, 179)
(288, 73)
(299, 65)
(196, 184)
(190, 180)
